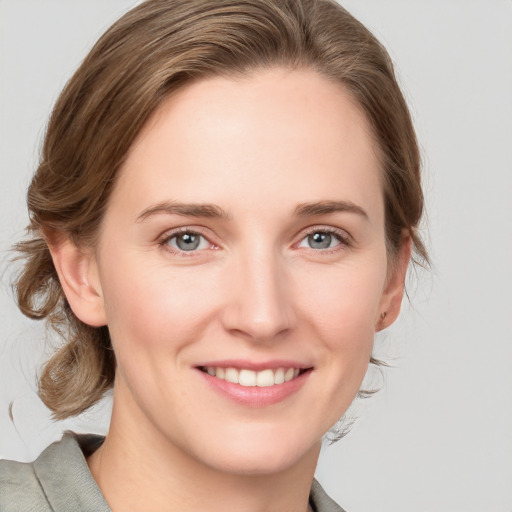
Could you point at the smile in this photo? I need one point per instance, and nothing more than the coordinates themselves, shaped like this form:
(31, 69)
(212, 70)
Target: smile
(250, 378)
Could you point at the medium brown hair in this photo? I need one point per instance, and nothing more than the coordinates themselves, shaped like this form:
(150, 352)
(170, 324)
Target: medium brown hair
(151, 52)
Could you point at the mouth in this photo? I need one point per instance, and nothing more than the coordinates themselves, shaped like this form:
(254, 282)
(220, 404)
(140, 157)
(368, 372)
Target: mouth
(265, 378)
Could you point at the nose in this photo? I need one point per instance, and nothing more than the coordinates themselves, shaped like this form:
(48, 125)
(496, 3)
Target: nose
(260, 305)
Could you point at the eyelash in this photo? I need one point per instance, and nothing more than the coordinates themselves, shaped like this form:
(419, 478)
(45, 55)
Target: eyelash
(343, 238)
(167, 237)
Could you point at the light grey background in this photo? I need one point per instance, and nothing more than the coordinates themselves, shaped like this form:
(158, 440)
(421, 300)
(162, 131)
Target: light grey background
(438, 438)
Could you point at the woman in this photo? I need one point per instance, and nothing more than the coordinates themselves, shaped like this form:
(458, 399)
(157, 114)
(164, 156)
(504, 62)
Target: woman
(222, 218)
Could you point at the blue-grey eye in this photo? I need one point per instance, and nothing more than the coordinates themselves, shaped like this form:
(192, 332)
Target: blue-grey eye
(320, 240)
(188, 241)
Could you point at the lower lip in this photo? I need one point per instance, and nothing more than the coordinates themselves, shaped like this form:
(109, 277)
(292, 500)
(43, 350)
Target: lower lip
(255, 396)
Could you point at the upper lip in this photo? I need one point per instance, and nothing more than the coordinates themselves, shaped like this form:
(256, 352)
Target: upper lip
(253, 365)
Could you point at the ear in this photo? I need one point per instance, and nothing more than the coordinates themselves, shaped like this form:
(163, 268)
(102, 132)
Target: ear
(78, 275)
(391, 300)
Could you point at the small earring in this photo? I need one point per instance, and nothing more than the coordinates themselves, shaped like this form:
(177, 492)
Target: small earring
(383, 317)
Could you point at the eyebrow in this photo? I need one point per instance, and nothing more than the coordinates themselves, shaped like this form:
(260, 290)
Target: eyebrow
(210, 211)
(327, 207)
(213, 211)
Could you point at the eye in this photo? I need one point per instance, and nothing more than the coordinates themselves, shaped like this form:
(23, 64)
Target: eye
(187, 241)
(321, 239)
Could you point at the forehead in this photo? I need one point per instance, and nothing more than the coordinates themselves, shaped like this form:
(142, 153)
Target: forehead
(275, 135)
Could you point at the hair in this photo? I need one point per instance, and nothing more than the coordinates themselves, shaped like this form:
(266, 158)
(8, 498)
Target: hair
(154, 50)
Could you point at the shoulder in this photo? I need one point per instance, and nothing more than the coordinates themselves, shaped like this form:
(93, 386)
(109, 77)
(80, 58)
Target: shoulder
(320, 501)
(58, 480)
(20, 489)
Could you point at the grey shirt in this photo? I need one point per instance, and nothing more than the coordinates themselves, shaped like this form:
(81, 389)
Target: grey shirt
(59, 480)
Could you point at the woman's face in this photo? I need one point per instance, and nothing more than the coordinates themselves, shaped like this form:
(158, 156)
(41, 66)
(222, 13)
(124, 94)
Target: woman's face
(244, 241)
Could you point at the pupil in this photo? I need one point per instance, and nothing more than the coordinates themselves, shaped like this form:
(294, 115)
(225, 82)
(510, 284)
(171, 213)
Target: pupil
(187, 242)
(320, 240)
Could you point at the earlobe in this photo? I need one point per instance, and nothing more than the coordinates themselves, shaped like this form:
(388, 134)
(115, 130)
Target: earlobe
(78, 275)
(391, 301)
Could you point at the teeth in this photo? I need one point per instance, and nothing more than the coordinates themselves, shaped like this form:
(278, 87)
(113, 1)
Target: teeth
(288, 375)
(265, 378)
(247, 378)
(250, 378)
(231, 375)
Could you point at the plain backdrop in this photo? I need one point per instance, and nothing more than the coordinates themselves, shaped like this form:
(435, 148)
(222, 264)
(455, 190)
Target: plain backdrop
(438, 437)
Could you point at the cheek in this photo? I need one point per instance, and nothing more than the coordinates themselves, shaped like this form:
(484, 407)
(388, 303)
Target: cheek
(344, 301)
(151, 307)
(338, 310)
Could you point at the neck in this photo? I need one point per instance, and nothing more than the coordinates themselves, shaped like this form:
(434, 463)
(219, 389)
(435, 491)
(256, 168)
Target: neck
(137, 468)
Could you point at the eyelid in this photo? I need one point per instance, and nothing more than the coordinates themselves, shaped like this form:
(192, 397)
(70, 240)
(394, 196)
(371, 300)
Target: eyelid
(344, 237)
(164, 238)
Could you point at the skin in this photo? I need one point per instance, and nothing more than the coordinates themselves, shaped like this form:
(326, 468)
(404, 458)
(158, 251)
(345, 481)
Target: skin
(254, 290)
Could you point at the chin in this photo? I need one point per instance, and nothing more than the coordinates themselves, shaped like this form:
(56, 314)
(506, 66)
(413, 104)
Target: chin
(252, 454)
